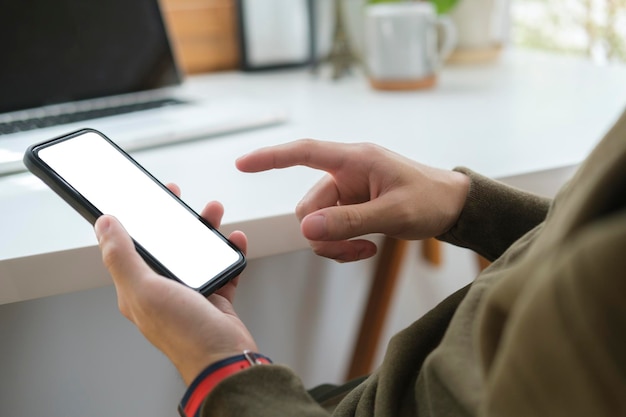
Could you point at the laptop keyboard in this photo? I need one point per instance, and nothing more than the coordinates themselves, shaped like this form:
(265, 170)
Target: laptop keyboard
(78, 116)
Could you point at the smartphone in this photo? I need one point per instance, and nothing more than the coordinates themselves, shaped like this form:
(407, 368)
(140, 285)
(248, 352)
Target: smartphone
(95, 176)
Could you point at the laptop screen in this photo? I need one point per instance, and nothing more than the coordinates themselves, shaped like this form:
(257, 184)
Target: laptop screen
(67, 50)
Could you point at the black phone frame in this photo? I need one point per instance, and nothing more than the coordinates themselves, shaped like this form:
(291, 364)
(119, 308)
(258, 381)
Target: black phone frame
(91, 213)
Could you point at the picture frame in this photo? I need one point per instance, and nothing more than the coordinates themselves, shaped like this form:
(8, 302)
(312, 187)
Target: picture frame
(275, 34)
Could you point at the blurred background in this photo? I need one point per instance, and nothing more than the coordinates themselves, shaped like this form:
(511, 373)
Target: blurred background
(74, 354)
(206, 32)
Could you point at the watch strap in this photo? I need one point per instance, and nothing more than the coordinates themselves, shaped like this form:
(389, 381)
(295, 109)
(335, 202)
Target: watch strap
(204, 383)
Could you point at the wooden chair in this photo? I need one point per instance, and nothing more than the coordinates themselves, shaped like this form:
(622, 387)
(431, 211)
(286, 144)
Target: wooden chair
(386, 275)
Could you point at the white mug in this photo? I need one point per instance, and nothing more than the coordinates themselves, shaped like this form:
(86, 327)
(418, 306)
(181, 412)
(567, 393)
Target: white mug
(406, 44)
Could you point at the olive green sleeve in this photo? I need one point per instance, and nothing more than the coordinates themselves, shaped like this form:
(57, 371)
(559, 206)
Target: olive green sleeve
(553, 335)
(494, 216)
(265, 390)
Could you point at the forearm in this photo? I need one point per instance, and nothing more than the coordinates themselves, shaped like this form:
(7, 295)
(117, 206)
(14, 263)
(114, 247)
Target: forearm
(494, 216)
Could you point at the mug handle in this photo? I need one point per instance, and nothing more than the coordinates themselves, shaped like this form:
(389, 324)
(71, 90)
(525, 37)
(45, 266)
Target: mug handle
(446, 28)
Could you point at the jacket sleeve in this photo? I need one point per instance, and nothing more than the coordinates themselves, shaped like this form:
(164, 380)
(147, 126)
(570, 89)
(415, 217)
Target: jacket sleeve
(276, 391)
(266, 390)
(553, 336)
(494, 216)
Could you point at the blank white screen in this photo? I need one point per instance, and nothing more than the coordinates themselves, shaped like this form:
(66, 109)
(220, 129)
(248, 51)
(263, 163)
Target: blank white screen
(159, 223)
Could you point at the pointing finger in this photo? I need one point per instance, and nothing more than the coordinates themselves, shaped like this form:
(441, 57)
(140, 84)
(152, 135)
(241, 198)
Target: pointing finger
(327, 156)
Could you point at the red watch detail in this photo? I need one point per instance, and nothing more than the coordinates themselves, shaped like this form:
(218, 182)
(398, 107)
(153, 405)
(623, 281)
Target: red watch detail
(213, 375)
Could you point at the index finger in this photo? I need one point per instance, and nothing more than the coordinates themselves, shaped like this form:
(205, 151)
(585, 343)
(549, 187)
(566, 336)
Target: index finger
(327, 156)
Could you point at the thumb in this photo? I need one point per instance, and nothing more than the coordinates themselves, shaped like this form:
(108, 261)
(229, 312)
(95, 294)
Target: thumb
(118, 251)
(341, 222)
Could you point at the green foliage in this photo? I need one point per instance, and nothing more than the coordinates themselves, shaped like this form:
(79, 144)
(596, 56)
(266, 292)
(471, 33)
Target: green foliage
(442, 6)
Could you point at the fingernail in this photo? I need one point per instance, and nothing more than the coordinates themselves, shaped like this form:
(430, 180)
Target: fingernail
(316, 227)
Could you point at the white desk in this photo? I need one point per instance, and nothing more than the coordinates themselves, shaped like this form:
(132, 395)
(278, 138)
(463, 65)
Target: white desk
(529, 112)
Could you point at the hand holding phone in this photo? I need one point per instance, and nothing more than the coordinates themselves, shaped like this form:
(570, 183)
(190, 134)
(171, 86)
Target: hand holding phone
(95, 176)
(190, 331)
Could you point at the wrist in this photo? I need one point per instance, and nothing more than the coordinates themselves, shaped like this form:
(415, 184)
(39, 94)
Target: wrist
(208, 379)
(459, 185)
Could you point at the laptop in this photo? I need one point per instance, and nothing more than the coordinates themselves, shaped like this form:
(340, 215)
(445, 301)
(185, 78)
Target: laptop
(108, 65)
